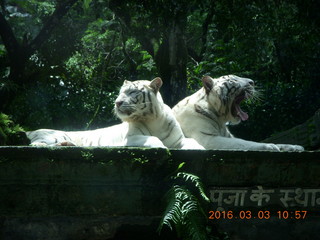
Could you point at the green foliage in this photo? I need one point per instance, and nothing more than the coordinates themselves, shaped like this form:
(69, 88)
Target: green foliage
(86, 4)
(186, 204)
(10, 133)
(196, 181)
(184, 214)
(28, 16)
(73, 79)
(86, 155)
(77, 74)
(184, 211)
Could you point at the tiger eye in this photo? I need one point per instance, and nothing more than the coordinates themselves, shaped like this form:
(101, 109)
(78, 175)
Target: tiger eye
(131, 92)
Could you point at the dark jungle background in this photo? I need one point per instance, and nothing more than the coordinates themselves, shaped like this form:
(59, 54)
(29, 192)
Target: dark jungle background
(62, 62)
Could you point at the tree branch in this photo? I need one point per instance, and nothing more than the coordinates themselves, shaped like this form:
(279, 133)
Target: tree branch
(132, 63)
(194, 55)
(205, 28)
(52, 22)
(117, 6)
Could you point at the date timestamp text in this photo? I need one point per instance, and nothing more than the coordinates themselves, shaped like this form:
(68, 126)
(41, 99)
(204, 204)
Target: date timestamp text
(216, 215)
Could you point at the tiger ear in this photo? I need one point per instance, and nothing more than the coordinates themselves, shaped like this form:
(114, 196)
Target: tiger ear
(126, 82)
(156, 84)
(207, 82)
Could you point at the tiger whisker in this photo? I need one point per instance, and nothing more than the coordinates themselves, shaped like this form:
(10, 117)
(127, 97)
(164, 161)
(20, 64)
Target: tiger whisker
(256, 95)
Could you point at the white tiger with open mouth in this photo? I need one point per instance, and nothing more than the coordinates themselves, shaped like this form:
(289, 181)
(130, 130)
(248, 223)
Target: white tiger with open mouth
(147, 122)
(203, 116)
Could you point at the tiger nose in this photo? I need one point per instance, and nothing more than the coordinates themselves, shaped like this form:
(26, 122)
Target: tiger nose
(118, 103)
(251, 82)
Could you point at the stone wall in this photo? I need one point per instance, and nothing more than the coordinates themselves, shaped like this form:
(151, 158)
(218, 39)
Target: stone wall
(117, 193)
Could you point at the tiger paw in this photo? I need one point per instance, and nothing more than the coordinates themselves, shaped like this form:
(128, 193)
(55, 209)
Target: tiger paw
(38, 144)
(190, 143)
(290, 148)
(64, 144)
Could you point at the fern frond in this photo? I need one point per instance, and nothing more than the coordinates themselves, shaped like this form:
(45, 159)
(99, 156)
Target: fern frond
(184, 212)
(172, 212)
(176, 208)
(195, 226)
(197, 181)
(188, 207)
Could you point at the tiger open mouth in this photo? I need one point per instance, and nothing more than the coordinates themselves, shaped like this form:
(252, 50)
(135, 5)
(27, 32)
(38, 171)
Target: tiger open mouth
(236, 109)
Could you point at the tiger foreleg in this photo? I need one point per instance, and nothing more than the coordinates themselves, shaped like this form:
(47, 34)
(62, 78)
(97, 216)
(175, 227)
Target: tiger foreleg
(143, 141)
(190, 143)
(290, 148)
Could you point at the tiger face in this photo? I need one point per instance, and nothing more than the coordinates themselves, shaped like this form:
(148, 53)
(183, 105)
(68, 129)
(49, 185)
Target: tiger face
(225, 95)
(139, 100)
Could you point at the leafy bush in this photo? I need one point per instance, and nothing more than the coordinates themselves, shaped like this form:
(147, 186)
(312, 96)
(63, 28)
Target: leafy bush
(10, 133)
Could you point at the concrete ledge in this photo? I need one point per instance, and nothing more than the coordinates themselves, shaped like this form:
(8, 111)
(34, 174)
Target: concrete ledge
(65, 190)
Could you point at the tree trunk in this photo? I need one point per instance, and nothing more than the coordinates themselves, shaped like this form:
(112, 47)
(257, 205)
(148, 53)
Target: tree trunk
(18, 54)
(171, 61)
(171, 57)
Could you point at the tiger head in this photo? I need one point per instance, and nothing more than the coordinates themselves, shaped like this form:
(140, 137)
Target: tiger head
(225, 95)
(139, 100)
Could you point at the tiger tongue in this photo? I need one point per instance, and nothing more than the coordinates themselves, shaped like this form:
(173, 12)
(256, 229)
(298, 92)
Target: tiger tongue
(244, 116)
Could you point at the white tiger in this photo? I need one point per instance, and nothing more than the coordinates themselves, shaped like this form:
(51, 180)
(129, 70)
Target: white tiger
(205, 114)
(147, 122)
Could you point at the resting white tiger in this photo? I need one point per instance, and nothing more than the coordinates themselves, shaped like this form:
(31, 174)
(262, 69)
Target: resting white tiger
(204, 115)
(147, 122)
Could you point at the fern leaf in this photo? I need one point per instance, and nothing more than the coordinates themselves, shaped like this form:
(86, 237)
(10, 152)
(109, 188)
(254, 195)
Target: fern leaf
(196, 227)
(184, 212)
(172, 212)
(195, 179)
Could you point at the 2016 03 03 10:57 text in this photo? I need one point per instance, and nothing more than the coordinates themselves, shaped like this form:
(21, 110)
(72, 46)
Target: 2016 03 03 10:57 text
(263, 215)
